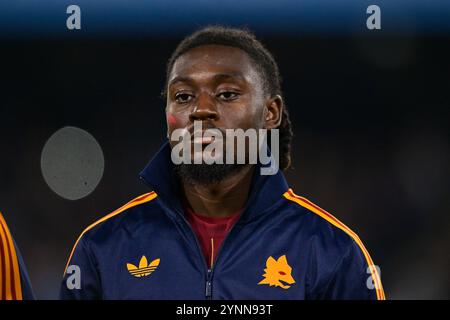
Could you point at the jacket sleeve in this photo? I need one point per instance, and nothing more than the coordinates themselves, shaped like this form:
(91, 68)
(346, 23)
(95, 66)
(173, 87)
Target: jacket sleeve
(81, 279)
(14, 281)
(353, 279)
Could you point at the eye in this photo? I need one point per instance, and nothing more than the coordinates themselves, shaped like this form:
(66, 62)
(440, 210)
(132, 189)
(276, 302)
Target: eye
(228, 95)
(282, 273)
(183, 97)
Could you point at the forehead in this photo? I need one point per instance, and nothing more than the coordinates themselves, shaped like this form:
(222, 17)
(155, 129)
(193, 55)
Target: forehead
(207, 60)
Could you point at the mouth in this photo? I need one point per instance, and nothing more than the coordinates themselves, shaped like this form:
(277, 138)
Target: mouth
(203, 140)
(200, 138)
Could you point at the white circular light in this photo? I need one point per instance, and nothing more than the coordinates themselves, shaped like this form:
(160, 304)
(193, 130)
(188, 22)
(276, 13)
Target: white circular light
(72, 163)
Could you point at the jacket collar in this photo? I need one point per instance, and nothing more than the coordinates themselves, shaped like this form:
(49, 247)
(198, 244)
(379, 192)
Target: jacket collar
(265, 190)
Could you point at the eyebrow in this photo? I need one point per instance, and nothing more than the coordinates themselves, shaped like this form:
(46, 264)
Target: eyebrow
(217, 78)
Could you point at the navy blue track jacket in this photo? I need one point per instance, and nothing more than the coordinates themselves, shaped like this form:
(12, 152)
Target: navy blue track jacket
(14, 281)
(282, 247)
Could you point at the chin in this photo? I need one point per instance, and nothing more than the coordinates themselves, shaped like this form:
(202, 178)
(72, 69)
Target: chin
(206, 173)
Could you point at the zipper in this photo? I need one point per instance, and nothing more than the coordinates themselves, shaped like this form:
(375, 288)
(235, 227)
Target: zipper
(210, 271)
(180, 215)
(219, 251)
(209, 278)
(208, 284)
(208, 288)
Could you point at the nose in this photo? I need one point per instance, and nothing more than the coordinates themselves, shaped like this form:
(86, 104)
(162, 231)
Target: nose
(204, 109)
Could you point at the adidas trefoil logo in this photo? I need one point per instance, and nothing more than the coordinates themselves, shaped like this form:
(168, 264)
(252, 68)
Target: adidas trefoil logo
(145, 269)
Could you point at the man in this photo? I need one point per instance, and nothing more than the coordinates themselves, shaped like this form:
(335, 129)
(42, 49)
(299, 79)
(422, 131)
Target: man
(220, 231)
(14, 281)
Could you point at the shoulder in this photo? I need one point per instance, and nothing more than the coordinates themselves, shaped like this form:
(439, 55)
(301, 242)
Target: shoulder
(119, 216)
(116, 219)
(9, 258)
(321, 222)
(335, 235)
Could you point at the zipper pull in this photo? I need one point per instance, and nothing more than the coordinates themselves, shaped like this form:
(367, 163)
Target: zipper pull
(208, 289)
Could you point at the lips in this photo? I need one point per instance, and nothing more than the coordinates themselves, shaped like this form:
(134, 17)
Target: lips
(204, 140)
(199, 137)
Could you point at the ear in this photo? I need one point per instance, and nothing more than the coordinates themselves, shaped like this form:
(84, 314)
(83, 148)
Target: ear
(273, 112)
(271, 262)
(282, 259)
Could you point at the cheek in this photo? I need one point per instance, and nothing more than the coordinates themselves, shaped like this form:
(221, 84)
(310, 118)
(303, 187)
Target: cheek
(171, 119)
(248, 115)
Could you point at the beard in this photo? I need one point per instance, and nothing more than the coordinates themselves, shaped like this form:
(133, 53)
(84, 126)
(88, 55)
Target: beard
(205, 174)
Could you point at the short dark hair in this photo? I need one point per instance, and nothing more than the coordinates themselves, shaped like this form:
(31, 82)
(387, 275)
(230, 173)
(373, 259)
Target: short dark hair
(260, 56)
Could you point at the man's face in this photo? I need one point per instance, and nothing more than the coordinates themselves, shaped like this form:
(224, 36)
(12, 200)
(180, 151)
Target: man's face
(217, 85)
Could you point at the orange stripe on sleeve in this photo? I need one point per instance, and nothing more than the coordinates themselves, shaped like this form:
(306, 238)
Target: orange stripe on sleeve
(12, 271)
(290, 195)
(137, 201)
(3, 264)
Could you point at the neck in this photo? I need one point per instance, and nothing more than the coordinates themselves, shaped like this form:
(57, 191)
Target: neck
(220, 199)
